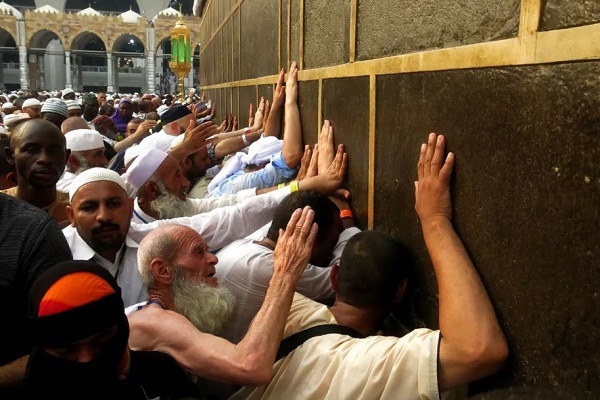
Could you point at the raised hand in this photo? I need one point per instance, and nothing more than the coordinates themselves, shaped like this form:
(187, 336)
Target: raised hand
(251, 115)
(279, 92)
(258, 116)
(304, 163)
(432, 190)
(294, 246)
(331, 180)
(326, 146)
(291, 87)
(195, 136)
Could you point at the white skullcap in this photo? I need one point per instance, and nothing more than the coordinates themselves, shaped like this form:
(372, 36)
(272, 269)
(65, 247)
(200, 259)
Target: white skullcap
(12, 119)
(56, 106)
(84, 139)
(109, 97)
(8, 106)
(73, 105)
(31, 102)
(142, 168)
(132, 153)
(162, 109)
(95, 175)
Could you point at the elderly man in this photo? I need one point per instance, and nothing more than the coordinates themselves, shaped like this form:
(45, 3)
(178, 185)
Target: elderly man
(422, 364)
(87, 151)
(33, 107)
(187, 306)
(38, 151)
(101, 229)
(161, 189)
(80, 336)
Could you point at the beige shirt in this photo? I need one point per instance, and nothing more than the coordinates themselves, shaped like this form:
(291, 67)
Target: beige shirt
(57, 209)
(340, 367)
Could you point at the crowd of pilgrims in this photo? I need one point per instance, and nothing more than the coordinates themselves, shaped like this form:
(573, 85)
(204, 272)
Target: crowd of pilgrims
(149, 251)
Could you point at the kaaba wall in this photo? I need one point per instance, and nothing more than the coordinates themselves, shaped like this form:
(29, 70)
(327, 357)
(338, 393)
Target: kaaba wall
(513, 84)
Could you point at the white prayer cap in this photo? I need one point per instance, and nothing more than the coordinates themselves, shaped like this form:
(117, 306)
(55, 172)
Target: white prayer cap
(142, 168)
(31, 103)
(162, 109)
(95, 175)
(109, 97)
(72, 105)
(12, 119)
(132, 153)
(84, 139)
(8, 106)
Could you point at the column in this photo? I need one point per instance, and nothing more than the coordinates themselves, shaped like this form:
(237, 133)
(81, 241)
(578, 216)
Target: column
(23, 66)
(150, 65)
(150, 71)
(190, 78)
(79, 61)
(111, 73)
(116, 74)
(41, 72)
(68, 83)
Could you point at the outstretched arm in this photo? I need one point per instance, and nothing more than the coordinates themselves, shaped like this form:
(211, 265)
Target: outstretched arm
(473, 345)
(292, 132)
(251, 361)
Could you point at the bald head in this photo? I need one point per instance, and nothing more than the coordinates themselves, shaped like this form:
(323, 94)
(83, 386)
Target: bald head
(163, 243)
(34, 126)
(72, 123)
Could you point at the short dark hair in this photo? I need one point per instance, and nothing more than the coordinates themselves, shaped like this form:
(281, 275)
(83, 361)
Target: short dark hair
(372, 267)
(325, 211)
(5, 166)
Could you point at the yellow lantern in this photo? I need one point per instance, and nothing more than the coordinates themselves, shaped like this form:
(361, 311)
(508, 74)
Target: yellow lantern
(181, 52)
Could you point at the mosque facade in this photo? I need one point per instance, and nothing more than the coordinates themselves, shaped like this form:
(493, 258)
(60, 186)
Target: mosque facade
(53, 48)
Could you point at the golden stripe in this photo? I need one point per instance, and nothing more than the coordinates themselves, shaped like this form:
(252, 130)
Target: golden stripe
(564, 45)
(372, 125)
(289, 33)
(279, 35)
(320, 107)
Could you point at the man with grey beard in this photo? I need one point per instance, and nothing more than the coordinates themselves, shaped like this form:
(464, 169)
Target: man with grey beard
(161, 189)
(186, 304)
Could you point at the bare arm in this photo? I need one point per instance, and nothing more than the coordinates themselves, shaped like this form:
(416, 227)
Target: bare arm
(12, 373)
(273, 124)
(326, 147)
(251, 361)
(292, 134)
(142, 131)
(473, 345)
(194, 140)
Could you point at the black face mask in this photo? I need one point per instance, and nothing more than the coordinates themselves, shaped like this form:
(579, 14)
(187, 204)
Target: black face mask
(55, 377)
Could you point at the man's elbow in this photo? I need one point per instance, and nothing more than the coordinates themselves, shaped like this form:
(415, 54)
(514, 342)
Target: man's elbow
(491, 356)
(256, 374)
(292, 160)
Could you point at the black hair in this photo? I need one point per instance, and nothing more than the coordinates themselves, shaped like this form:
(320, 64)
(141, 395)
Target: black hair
(372, 267)
(5, 166)
(325, 211)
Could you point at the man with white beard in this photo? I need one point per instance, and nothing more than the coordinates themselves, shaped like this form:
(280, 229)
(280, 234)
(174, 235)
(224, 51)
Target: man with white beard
(187, 305)
(161, 189)
(87, 151)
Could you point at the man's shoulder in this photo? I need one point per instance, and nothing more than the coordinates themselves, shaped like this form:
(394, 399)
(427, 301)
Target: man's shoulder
(14, 212)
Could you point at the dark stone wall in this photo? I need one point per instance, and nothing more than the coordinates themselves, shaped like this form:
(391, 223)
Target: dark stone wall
(559, 14)
(526, 185)
(396, 27)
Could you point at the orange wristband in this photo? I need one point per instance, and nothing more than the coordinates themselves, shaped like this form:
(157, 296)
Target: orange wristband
(346, 214)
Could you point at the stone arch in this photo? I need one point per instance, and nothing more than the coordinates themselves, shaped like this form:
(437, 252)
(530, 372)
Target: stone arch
(122, 40)
(162, 41)
(7, 37)
(41, 38)
(83, 36)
